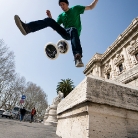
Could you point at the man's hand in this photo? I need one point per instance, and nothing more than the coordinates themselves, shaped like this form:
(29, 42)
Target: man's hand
(92, 5)
(48, 13)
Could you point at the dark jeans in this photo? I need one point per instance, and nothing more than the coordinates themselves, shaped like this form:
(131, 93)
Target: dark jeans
(68, 34)
(32, 118)
(21, 117)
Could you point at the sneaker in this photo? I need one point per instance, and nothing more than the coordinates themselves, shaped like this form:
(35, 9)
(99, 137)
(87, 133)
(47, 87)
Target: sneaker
(22, 26)
(78, 61)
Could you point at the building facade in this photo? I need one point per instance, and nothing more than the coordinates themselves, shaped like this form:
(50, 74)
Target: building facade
(120, 61)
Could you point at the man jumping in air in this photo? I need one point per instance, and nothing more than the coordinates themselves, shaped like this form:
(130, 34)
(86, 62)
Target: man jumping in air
(70, 18)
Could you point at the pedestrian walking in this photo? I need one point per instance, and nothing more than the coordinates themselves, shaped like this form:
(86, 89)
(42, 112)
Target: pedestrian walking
(22, 113)
(33, 112)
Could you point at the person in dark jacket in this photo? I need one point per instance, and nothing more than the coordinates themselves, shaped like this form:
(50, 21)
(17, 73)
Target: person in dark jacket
(22, 113)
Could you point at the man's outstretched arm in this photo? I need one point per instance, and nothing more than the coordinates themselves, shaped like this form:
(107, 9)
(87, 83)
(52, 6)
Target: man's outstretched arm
(92, 5)
(48, 13)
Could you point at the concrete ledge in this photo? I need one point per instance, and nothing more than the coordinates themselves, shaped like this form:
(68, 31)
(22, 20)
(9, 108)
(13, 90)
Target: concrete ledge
(99, 108)
(101, 91)
(77, 96)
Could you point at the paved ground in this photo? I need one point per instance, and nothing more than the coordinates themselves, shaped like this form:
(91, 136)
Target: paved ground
(15, 129)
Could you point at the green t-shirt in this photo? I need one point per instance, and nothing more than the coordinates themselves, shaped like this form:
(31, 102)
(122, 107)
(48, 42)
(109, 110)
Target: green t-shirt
(71, 18)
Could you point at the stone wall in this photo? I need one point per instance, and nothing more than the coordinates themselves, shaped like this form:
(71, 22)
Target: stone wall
(134, 83)
(74, 123)
(111, 122)
(99, 108)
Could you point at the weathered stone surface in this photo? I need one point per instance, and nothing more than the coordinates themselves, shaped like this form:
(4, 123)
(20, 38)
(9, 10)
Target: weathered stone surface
(77, 96)
(103, 91)
(111, 122)
(99, 108)
(74, 123)
(115, 94)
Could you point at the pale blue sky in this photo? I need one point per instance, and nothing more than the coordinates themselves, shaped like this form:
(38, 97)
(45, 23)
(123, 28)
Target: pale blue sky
(100, 27)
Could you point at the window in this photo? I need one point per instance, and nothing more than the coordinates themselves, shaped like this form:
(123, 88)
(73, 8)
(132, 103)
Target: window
(108, 76)
(136, 55)
(120, 67)
(16, 108)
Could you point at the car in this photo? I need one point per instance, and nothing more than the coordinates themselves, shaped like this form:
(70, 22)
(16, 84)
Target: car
(8, 114)
(16, 109)
(1, 111)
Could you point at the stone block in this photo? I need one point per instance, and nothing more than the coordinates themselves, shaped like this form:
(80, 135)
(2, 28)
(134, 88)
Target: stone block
(99, 108)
